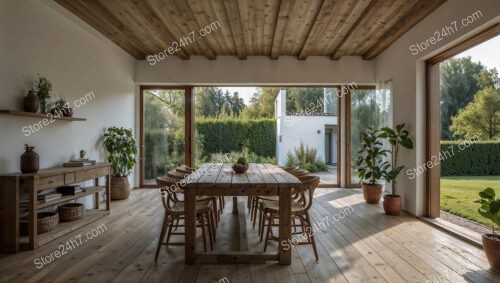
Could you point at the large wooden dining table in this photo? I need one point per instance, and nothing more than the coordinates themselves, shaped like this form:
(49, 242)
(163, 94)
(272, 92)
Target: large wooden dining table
(216, 179)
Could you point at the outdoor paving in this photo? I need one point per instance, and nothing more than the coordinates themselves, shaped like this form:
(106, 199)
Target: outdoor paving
(468, 224)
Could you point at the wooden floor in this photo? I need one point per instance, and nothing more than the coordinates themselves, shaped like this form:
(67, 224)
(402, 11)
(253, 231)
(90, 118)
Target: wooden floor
(360, 245)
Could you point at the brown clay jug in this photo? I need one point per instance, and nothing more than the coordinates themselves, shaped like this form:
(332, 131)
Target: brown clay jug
(31, 102)
(29, 160)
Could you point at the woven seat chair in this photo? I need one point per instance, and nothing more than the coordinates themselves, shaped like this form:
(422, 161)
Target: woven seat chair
(174, 211)
(300, 210)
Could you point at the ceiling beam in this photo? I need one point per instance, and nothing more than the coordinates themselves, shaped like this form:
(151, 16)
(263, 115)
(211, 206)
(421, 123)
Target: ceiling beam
(161, 33)
(317, 26)
(195, 26)
(234, 18)
(419, 11)
(335, 54)
(280, 26)
(105, 23)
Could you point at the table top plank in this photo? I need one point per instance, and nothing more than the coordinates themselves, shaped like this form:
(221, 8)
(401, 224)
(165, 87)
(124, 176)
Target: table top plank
(255, 177)
(267, 176)
(225, 177)
(282, 176)
(240, 180)
(209, 178)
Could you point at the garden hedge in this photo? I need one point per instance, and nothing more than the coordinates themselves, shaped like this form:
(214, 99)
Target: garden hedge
(232, 134)
(477, 159)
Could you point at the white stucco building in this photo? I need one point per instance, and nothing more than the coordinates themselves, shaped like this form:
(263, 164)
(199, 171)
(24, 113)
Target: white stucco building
(316, 127)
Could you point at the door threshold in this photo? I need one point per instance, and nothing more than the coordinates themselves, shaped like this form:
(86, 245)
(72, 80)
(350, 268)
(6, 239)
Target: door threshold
(457, 231)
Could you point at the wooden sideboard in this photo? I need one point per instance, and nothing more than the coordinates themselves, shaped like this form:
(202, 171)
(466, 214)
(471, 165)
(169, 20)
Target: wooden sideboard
(13, 187)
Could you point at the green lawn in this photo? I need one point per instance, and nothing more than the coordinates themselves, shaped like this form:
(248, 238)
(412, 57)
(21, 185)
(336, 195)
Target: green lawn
(458, 195)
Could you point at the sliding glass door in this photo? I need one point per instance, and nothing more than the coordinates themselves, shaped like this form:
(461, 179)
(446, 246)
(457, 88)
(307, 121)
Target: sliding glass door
(162, 141)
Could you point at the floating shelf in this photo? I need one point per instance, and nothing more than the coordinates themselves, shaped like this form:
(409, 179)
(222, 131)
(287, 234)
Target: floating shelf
(38, 115)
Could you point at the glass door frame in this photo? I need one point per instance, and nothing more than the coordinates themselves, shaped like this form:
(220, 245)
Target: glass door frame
(348, 179)
(433, 111)
(188, 127)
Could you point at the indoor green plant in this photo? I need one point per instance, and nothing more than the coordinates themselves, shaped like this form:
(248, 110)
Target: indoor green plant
(396, 137)
(121, 148)
(43, 88)
(241, 166)
(372, 164)
(61, 108)
(490, 209)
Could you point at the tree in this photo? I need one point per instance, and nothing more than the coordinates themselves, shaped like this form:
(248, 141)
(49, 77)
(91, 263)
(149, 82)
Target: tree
(300, 99)
(479, 118)
(261, 103)
(458, 86)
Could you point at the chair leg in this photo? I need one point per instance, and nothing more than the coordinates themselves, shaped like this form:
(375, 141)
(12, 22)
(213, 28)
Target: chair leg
(203, 232)
(170, 231)
(210, 229)
(262, 223)
(269, 229)
(162, 235)
(311, 235)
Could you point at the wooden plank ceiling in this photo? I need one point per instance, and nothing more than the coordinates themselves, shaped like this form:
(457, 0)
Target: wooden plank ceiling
(273, 28)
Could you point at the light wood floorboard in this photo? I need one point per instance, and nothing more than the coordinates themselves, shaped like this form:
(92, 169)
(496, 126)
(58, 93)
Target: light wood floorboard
(357, 244)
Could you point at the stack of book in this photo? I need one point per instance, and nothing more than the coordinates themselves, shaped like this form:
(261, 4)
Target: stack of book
(79, 162)
(70, 190)
(49, 197)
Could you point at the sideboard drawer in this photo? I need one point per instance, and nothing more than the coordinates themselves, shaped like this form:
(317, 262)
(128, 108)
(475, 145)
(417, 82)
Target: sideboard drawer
(69, 178)
(91, 174)
(51, 181)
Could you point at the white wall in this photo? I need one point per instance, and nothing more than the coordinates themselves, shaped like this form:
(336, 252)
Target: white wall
(41, 37)
(256, 70)
(407, 72)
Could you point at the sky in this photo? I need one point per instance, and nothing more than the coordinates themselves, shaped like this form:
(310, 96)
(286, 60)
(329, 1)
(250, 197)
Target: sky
(488, 53)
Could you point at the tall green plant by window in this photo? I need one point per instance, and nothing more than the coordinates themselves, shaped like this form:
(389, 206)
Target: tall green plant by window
(372, 164)
(397, 137)
(121, 147)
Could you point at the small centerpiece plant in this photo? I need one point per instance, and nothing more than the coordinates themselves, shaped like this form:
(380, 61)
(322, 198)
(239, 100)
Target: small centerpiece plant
(43, 88)
(61, 108)
(490, 209)
(241, 165)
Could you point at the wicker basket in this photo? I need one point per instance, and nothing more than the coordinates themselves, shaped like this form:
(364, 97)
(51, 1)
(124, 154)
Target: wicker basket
(71, 211)
(47, 221)
(120, 188)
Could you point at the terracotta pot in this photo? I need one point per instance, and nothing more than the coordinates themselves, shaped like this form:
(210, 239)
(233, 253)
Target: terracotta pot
(491, 246)
(372, 193)
(31, 102)
(392, 204)
(120, 188)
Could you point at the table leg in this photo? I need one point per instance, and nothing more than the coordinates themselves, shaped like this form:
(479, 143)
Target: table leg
(235, 205)
(285, 203)
(190, 225)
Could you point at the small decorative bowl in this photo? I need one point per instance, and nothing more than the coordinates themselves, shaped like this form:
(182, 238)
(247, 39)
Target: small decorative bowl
(240, 168)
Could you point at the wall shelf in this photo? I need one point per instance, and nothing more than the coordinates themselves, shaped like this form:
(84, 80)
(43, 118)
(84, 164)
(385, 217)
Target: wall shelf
(38, 115)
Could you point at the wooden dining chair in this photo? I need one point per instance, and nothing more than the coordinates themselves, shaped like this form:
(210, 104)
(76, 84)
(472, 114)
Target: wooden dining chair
(174, 210)
(300, 210)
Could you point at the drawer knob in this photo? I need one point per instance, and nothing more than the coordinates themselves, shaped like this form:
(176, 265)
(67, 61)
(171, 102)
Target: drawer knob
(50, 181)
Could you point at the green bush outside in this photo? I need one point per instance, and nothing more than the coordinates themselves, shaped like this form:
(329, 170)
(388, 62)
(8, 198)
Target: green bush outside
(233, 134)
(305, 158)
(477, 159)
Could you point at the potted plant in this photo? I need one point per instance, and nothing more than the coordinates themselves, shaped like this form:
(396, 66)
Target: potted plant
(241, 165)
(43, 88)
(371, 165)
(121, 147)
(61, 108)
(490, 209)
(398, 137)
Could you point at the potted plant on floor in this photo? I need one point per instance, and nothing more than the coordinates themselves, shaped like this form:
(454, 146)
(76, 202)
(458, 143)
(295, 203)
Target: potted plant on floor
(121, 147)
(490, 209)
(371, 165)
(398, 137)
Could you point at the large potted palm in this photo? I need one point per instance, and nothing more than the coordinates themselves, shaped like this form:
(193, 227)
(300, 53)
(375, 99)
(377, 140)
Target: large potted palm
(490, 209)
(121, 148)
(396, 137)
(372, 165)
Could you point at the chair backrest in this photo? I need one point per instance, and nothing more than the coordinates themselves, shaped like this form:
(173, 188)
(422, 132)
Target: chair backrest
(288, 169)
(176, 175)
(306, 189)
(300, 173)
(186, 168)
(167, 191)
